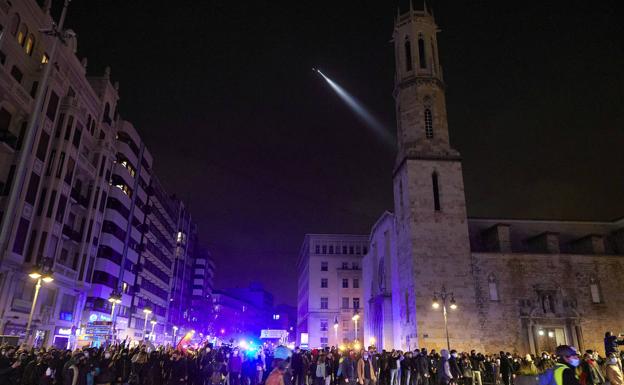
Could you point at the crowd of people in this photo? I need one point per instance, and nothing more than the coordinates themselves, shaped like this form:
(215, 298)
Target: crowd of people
(142, 365)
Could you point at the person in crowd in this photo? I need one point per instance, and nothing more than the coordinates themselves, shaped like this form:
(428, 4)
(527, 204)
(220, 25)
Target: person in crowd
(421, 368)
(277, 374)
(444, 375)
(591, 374)
(348, 368)
(527, 373)
(320, 369)
(506, 368)
(613, 371)
(612, 343)
(365, 370)
(565, 370)
(456, 372)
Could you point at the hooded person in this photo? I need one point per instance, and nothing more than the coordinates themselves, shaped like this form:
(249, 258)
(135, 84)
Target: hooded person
(527, 374)
(444, 368)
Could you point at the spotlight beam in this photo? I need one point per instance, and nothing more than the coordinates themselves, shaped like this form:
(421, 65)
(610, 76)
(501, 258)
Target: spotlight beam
(359, 109)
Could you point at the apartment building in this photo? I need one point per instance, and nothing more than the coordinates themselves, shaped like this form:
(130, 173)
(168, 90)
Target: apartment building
(59, 213)
(329, 307)
(90, 211)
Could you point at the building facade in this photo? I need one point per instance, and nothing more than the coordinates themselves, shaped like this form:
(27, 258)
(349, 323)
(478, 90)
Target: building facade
(330, 289)
(90, 210)
(520, 285)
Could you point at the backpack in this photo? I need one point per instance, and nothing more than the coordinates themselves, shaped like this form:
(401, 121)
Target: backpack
(548, 377)
(320, 373)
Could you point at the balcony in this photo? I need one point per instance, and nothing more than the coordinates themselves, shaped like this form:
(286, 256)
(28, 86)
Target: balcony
(8, 138)
(71, 234)
(80, 199)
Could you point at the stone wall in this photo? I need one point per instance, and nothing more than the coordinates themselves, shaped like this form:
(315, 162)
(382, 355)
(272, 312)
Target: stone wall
(536, 290)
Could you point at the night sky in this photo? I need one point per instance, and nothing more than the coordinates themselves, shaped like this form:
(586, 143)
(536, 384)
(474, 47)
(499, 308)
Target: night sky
(240, 127)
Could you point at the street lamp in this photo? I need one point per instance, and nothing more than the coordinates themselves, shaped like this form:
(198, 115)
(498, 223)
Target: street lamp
(44, 274)
(147, 310)
(336, 329)
(114, 299)
(153, 322)
(444, 295)
(355, 319)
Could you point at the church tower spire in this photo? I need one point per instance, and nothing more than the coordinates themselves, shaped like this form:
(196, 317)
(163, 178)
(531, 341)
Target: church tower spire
(422, 126)
(433, 247)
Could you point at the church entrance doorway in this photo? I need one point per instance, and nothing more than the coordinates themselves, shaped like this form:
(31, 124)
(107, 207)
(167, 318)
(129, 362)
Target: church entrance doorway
(548, 338)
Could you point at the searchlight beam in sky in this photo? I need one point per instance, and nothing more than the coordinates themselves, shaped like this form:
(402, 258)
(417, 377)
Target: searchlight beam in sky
(359, 109)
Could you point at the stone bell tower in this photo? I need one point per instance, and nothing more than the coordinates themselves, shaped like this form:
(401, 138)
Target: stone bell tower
(433, 249)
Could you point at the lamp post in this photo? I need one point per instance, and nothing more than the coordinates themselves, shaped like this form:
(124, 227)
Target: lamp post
(336, 329)
(444, 295)
(40, 274)
(175, 332)
(114, 299)
(153, 322)
(355, 319)
(147, 310)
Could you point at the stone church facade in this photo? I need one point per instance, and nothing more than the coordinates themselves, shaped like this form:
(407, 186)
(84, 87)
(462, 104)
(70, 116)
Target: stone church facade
(520, 285)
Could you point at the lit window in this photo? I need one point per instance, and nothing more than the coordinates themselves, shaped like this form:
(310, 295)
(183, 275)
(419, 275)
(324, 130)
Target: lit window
(21, 34)
(125, 189)
(30, 44)
(276, 317)
(45, 59)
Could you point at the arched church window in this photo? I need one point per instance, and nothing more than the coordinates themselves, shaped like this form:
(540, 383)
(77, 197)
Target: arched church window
(30, 44)
(408, 54)
(422, 59)
(436, 191)
(594, 289)
(433, 57)
(493, 288)
(21, 34)
(106, 116)
(428, 123)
